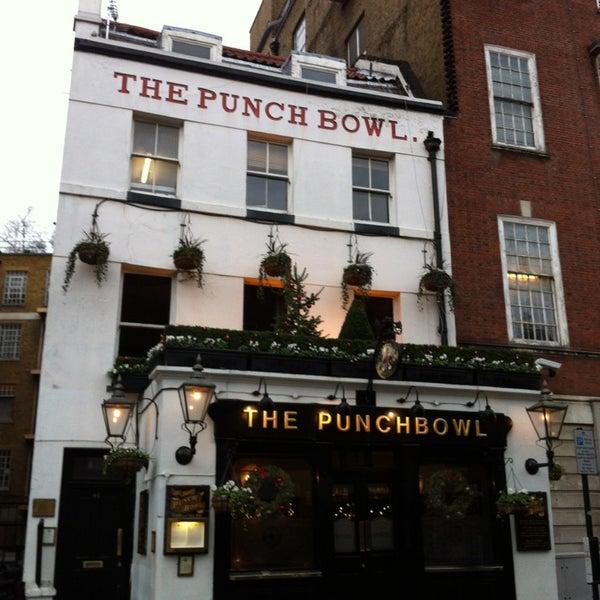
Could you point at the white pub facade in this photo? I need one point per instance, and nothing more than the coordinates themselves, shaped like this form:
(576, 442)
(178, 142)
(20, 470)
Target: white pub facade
(174, 135)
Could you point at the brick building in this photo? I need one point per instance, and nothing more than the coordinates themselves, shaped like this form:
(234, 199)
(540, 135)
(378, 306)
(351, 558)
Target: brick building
(24, 280)
(520, 83)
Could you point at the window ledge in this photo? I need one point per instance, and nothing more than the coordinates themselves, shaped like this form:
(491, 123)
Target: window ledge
(376, 229)
(519, 150)
(253, 575)
(265, 215)
(153, 199)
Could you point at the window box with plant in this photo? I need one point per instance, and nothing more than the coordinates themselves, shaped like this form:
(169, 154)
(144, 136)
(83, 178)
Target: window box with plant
(511, 368)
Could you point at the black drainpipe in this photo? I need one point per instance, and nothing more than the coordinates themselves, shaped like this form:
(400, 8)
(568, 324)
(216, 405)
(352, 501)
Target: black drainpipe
(432, 144)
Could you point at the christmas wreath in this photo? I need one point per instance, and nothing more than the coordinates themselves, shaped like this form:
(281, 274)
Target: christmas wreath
(448, 494)
(273, 491)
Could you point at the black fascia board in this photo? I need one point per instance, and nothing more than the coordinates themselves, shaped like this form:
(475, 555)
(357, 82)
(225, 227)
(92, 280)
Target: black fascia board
(259, 77)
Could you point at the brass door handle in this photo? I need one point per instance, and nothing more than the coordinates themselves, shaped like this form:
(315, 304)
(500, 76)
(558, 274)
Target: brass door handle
(120, 541)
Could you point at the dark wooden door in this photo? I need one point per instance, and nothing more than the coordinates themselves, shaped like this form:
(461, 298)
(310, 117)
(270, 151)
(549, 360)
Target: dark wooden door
(94, 542)
(371, 537)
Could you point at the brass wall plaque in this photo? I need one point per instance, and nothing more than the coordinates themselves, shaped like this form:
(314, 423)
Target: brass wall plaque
(44, 507)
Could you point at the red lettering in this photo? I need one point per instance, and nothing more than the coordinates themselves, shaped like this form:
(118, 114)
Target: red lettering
(252, 106)
(373, 125)
(206, 95)
(395, 136)
(269, 110)
(227, 108)
(175, 91)
(327, 120)
(125, 77)
(298, 115)
(146, 87)
(354, 123)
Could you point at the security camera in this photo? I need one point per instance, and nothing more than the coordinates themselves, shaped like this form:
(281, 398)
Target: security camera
(552, 366)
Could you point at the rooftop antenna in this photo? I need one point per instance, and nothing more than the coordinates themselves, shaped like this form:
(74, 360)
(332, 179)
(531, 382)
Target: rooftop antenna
(112, 13)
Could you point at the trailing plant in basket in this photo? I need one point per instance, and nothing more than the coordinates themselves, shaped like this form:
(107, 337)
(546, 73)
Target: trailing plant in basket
(276, 262)
(189, 257)
(439, 282)
(358, 273)
(92, 250)
(119, 453)
(513, 502)
(267, 493)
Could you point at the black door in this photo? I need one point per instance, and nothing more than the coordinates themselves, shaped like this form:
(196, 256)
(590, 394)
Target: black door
(374, 542)
(94, 541)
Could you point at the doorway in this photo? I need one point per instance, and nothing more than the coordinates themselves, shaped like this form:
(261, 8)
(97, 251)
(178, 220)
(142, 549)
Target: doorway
(94, 541)
(374, 539)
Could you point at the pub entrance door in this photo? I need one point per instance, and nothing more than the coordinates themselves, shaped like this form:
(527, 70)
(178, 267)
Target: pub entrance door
(375, 541)
(94, 541)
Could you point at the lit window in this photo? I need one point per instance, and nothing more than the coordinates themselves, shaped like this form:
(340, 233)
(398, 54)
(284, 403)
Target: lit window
(267, 176)
(370, 189)
(7, 401)
(15, 284)
(533, 283)
(154, 159)
(4, 469)
(10, 341)
(514, 98)
(355, 45)
(300, 36)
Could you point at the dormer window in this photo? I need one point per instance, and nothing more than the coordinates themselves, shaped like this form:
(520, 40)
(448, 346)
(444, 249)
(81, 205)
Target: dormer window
(318, 74)
(191, 43)
(316, 67)
(192, 49)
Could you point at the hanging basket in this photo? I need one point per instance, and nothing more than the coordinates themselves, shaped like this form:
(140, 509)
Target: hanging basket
(187, 261)
(356, 277)
(511, 508)
(274, 266)
(92, 254)
(435, 282)
(129, 464)
(220, 504)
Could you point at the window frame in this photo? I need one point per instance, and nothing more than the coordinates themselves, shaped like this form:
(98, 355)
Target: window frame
(373, 190)
(5, 456)
(7, 344)
(555, 280)
(299, 35)
(534, 105)
(7, 397)
(127, 329)
(268, 175)
(356, 43)
(15, 288)
(155, 158)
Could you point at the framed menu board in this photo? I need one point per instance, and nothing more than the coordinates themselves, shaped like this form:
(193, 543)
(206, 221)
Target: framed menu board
(187, 512)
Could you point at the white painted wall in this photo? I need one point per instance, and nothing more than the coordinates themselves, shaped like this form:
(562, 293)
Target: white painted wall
(82, 325)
